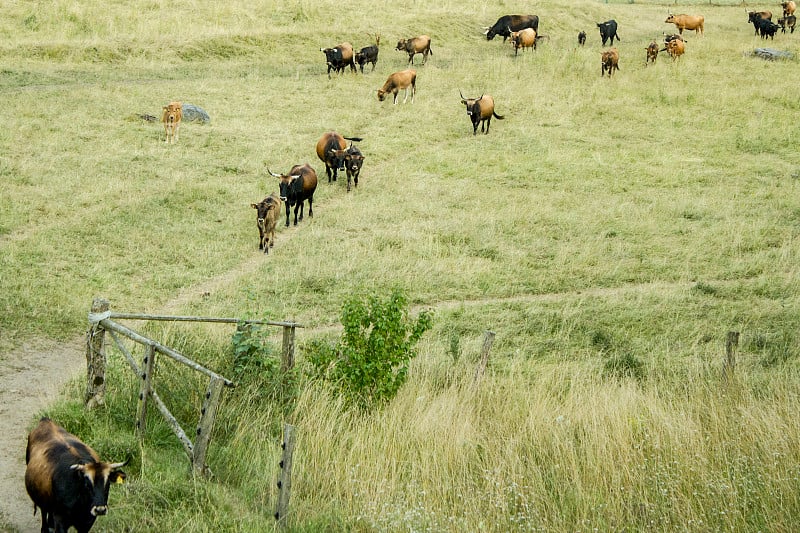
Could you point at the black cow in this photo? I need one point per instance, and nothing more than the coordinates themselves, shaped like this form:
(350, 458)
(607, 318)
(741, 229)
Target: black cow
(353, 160)
(368, 54)
(508, 23)
(66, 479)
(608, 30)
(788, 20)
(339, 57)
(766, 28)
(582, 38)
(296, 187)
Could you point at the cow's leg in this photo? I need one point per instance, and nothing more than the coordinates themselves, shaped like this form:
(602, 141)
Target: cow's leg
(413, 90)
(488, 122)
(396, 94)
(355, 179)
(348, 180)
(310, 208)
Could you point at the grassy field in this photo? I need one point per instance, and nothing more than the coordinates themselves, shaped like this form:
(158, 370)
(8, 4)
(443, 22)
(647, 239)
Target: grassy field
(609, 231)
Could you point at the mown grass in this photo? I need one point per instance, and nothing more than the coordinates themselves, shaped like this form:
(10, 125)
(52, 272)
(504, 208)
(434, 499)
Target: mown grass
(609, 231)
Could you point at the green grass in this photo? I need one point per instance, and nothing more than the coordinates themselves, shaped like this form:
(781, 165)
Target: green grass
(609, 231)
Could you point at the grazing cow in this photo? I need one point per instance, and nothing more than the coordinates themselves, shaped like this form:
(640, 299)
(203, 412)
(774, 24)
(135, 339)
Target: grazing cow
(789, 20)
(652, 53)
(399, 80)
(754, 16)
(480, 111)
(608, 30)
(66, 479)
(508, 23)
(369, 54)
(686, 22)
(353, 160)
(674, 47)
(296, 187)
(609, 62)
(339, 57)
(414, 46)
(331, 150)
(582, 38)
(523, 39)
(267, 212)
(171, 117)
(788, 8)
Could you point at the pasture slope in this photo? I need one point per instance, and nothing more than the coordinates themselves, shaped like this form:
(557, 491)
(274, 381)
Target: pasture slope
(609, 231)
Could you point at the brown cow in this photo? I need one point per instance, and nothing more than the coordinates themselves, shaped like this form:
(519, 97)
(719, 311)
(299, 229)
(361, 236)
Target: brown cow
(331, 150)
(296, 187)
(675, 48)
(267, 212)
(789, 20)
(609, 61)
(480, 111)
(399, 80)
(523, 39)
(788, 8)
(66, 479)
(652, 53)
(414, 46)
(171, 117)
(686, 22)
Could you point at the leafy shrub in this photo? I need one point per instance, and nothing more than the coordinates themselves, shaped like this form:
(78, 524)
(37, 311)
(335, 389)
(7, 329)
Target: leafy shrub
(370, 361)
(625, 365)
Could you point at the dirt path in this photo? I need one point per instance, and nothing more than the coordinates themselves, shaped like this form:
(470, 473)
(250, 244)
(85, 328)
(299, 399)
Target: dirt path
(30, 378)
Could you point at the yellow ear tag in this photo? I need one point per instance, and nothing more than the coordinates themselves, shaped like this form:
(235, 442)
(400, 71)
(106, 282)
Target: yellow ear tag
(120, 480)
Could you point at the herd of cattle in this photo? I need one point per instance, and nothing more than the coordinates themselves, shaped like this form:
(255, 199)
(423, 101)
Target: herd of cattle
(64, 477)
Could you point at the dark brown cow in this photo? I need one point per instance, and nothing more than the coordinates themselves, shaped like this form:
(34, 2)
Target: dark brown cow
(652, 53)
(267, 212)
(296, 187)
(788, 21)
(414, 46)
(331, 150)
(66, 479)
(582, 38)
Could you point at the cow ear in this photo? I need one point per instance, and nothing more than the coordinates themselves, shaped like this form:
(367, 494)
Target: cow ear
(79, 466)
(117, 476)
(254, 206)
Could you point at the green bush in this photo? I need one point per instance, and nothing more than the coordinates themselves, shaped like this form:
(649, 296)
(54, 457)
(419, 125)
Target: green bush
(370, 361)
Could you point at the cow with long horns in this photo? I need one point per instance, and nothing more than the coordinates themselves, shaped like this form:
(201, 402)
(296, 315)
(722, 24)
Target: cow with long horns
(66, 479)
(480, 111)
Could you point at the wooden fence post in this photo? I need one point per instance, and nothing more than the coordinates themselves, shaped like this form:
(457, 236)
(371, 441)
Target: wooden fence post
(206, 425)
(285, 479)
(287, 352)
(148, 364)
(731, 343)
(96, 355)
(488, 340)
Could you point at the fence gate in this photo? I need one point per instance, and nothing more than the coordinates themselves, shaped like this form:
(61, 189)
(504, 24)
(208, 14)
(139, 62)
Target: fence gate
(101, 321)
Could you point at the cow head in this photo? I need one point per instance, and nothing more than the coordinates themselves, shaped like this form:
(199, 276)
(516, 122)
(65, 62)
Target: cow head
(95, 480)
(171, 113)
(262, 209)
(401, 44)
(382, 94)
(288, 187)
(353, 160)
(473, 105)
(670, 18)
(335, 158)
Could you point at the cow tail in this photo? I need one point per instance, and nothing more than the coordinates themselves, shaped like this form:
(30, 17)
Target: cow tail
(498, 117)
(618, 37)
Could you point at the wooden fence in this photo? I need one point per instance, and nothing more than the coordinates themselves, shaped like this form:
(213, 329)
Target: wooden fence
(101, 320)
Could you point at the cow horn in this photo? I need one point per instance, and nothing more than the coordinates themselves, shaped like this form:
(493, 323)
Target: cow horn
(114, 466)
(487, 31)
(462, 96)
(272, 173)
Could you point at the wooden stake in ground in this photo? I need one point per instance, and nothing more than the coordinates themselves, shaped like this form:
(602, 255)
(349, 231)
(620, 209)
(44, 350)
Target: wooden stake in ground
(285, 480)
(96, 355)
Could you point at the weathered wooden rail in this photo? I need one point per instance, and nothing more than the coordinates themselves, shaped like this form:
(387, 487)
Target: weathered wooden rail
(102, 320)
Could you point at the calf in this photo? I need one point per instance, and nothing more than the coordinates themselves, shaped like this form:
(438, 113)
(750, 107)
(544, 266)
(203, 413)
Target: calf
(789, 20)
(608, 30)
(171, 117)
(609, 62)
(331, 151)
(754, 16)
(523, 39)
(508, 23)
(339, 57)
(686, 22)
(414, 46)
(674, 47)
(399, 80)
(353, 160)
(296, 187)
(369, 54)
(267, 212)
(652, 53)
(480, 111)
(582, 38)
(766, 28)
(66, 479)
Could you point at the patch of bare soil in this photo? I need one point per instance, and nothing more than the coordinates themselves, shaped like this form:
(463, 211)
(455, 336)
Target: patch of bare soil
(30, 378)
